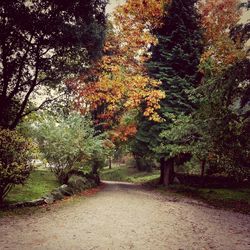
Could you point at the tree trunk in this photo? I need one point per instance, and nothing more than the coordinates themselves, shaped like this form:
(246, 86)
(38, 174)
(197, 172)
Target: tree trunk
(162, 165)
(168, 175)
(203, 164)
(110, 163)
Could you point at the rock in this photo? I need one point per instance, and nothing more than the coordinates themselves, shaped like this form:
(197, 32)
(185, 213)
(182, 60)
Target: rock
(17, 205)
(66, 190)
(77, 183)
(57, 194)
(49, 199)
(34, 203)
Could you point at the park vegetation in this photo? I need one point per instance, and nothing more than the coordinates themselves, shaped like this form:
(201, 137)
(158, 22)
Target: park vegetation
(164, 81)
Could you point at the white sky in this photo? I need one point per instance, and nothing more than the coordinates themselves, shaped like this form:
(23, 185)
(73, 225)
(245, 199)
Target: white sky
(112, 4)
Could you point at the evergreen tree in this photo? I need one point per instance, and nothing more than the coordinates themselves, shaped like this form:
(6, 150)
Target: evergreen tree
(174, 61)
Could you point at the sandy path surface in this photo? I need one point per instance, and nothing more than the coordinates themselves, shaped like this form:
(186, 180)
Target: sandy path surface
(124, 216)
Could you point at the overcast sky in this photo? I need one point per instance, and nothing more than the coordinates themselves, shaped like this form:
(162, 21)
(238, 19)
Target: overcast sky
(112, 4)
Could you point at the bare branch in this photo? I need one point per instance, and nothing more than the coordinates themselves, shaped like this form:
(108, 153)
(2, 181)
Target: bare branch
(47, 101)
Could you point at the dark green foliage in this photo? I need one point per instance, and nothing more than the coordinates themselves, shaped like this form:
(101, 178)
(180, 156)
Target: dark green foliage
(175, 63)
(176, 58)
(223, 120)
(42, 42)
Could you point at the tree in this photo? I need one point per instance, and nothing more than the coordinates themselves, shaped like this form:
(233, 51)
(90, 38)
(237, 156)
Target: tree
(222, 119)
(16, 154)
(175, 61)
(218, 19)
(42, 43)
(119, 83)
(69, 143)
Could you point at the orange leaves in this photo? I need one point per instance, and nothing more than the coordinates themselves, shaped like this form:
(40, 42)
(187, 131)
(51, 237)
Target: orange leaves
(148, 12)
(119, 83)
(134, 21)
(123, 132)
(218, 17)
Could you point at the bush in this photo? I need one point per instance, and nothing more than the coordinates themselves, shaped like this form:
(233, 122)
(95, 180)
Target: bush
(15, 160)
(69, 143)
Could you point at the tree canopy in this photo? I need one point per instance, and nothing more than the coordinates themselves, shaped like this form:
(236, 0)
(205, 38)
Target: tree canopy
(42, 43)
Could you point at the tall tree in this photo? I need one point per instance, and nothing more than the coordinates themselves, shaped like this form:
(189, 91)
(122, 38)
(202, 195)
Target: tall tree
(119, 83)
(223, 115)
(42, 42)
(175, 60)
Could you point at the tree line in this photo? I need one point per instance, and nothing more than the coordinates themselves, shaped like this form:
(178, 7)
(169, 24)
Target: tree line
(166, 80)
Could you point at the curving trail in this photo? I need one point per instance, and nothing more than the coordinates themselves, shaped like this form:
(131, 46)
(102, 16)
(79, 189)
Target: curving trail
(125, 216)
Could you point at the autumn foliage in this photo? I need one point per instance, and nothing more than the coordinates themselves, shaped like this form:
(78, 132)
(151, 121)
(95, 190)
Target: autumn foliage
(119, 81)
(218, 18)
(123, 132)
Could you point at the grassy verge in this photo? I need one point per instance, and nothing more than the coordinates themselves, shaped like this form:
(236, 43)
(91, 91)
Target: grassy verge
(40, 182)
(123, 173)
(237, 199)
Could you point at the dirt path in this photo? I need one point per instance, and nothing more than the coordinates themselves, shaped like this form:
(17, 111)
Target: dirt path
(123, 216)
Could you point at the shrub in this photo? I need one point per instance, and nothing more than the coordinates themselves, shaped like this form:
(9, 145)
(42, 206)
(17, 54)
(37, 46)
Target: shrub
(69, 143)
(15, 160)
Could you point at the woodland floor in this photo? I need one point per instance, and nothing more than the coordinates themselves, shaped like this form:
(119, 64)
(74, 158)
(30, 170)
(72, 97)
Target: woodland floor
(127, 216)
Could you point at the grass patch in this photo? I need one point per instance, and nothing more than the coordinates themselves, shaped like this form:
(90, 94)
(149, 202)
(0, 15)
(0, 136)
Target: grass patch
(123, 173)
(40, 182)
(236, 199)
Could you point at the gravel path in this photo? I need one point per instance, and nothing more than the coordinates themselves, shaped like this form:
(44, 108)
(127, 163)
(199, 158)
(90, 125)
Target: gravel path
(124, 216)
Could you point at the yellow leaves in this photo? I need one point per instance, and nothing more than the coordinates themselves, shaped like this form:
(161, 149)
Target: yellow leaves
(133, 24)
(218, 17)
(152, 101)
(118, 83)
(147, 12)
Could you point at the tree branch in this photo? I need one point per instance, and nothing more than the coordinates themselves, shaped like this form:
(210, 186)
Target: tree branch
(47, 101)
(15, 90)
(26, 98)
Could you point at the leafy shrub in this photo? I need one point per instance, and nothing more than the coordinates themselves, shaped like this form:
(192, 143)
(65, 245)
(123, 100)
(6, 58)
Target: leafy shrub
(69, 143)
(15, 160)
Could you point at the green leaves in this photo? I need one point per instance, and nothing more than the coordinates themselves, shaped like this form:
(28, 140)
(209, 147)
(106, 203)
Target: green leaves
(175, 60)
(222, 122)
(42, 44)
(16, 155)
(68, 143)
